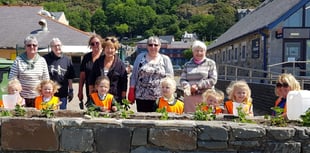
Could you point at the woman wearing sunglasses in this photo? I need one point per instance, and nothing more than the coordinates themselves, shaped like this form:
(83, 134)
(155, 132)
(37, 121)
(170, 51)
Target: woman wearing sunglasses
(95, 43)
(286, 82)
(29, 68)
(113, 67)
(148, 71)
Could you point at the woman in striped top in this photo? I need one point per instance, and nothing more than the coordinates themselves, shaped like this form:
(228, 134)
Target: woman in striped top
(198, 75)
(29, 68)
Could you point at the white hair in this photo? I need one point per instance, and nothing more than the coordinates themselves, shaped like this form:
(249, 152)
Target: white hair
(199, 44)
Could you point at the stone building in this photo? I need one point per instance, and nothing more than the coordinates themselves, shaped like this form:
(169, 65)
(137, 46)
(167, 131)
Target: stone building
(277, 31)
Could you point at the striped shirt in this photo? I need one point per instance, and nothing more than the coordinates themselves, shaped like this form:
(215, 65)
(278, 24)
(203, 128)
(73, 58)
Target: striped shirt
(204, 75)
(29, 75)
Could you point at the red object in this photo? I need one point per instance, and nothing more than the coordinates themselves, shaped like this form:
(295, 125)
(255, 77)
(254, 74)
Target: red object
(131, 95)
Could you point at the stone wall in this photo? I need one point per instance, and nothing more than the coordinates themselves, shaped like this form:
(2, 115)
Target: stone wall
(112, 135)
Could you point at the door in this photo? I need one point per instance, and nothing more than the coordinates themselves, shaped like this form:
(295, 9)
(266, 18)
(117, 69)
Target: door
(293, 53)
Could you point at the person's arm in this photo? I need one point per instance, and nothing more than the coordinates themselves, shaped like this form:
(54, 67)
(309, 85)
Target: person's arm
(81, 85)
(14, 71)
(168, 66)
(46, 75)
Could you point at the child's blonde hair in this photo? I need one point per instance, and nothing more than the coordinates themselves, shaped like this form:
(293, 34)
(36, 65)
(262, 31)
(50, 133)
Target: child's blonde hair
(14, 82)
(44, 82)
(215, 93)
(169, 80)
(239, 84)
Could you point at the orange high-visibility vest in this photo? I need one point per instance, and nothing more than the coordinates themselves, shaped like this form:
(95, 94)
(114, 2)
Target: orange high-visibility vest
(107, 102)
(178, 107)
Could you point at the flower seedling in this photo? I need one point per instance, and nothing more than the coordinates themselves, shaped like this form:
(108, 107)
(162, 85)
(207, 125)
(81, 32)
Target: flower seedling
(19, 111)
(203, 114)
(164, 113)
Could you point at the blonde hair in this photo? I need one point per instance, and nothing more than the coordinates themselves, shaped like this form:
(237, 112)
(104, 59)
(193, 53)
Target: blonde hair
(241, 84)
(44, 82)
(110, 41)
(218, 94)
(290, 80)
(169, 80)
(14, 82)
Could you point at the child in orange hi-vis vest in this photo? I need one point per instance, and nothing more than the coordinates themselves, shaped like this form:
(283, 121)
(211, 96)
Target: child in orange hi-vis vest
(46, 99)
(102, 100)
(167, 99)
(239, 94)
(213, 99)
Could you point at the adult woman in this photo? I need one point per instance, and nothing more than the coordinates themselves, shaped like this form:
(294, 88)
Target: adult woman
(198, 75)
(95, 43)
(149, 69)
(29, 68)
(112, 66)
(286, 82)
(61, 70)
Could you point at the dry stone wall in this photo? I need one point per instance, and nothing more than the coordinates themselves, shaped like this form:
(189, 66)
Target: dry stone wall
(112, 135)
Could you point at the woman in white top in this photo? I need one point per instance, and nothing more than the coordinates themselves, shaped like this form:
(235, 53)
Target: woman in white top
(148, 70)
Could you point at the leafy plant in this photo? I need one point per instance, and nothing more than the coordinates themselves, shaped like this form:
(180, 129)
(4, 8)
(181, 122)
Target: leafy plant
(5, 113)
(164, 113)
(277, 119)
(203, 114)
(92, 111)
(242, 116)
(19, 111)
(306, 118)
(124, 109)
(48, 111)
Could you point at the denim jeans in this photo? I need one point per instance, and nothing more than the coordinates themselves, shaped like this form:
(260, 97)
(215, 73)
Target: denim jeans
(63, 101)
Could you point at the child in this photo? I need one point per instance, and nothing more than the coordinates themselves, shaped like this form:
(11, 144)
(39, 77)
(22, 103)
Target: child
(14, 87)
(167, 100)
(47, 89)
(239, 94)
(102, 100)
(214, 99)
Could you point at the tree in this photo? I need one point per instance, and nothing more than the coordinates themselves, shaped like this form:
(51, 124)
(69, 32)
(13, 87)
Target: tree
(98, 21)
(188, 54)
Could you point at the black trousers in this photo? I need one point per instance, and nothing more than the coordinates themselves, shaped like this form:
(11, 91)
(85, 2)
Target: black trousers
(29, 102)
(146, 105)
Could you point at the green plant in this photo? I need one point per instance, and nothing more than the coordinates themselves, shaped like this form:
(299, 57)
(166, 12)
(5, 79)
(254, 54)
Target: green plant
(124, 109)
(92, 111)
(306, 118)
(203, 114)
(5, 113)
(164, 113)
(277, 119)
(48, 111)
(242, 116)
(19, 111)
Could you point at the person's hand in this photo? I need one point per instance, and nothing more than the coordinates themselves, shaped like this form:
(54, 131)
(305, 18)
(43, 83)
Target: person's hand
(194, 89)
(70, 95)
(80, 95)
(131, 95)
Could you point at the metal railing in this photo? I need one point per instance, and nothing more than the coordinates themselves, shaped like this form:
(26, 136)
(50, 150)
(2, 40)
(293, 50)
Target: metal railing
(231, 72)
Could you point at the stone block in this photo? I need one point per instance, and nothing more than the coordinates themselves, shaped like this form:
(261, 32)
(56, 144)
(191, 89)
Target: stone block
(248, 131)
(29, 134)
(139, 137)
(175, 139)
(112, 140)
(213, 132)
(287, 147)
(77, 139)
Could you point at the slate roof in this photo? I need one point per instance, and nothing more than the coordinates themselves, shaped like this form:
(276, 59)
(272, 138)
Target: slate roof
(17, 22)
(267, 15)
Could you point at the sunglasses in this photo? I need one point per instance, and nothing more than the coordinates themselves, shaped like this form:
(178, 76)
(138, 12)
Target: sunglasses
(29, 45)
(113, 40)
(284, 85)
(153, 45)
(94, 43)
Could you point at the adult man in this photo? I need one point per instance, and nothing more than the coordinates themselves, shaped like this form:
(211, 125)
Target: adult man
(61, 70)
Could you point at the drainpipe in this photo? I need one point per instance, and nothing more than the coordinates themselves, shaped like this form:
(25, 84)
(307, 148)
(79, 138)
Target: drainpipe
(265, 49)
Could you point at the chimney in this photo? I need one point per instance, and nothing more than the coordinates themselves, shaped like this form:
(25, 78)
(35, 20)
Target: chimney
(43, 24)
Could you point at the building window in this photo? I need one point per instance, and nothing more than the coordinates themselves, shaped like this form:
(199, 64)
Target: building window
(223, 57)
(294, 20)
(243, 52)
(308, 15)
(236, 54)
